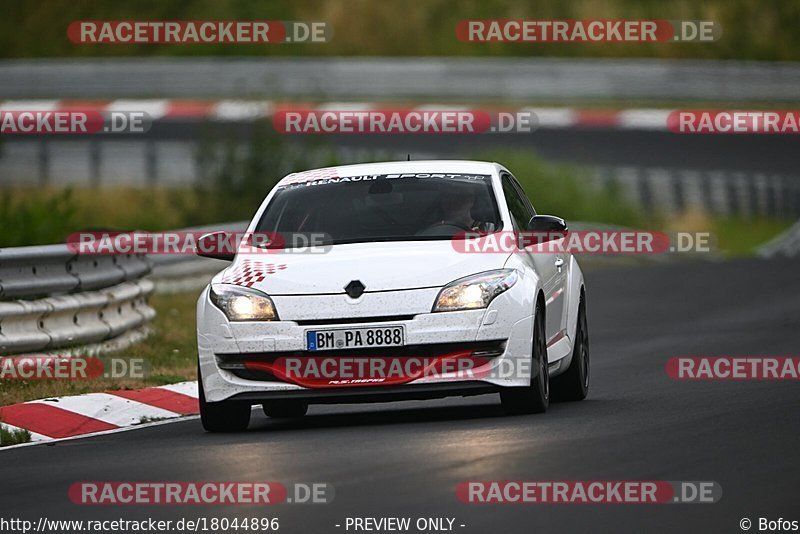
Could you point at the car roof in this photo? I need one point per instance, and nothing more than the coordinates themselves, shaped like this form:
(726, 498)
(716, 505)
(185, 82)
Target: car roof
(391, 167)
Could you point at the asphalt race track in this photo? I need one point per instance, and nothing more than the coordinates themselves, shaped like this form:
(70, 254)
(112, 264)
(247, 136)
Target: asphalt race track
(405, 459)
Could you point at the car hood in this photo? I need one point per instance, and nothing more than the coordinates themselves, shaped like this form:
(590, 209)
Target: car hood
(379, 266)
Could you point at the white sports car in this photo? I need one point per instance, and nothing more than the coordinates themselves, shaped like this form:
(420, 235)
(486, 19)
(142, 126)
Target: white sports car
(389, 303)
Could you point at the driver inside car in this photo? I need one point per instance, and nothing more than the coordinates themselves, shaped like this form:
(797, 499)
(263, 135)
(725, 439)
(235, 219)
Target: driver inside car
(457, 208)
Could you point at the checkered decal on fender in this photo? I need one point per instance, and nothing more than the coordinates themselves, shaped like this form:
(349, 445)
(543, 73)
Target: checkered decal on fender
(248, 273)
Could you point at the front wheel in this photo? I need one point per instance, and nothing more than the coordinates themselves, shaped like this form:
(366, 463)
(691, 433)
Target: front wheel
(535, 397)
(222, 416)
(573, 384)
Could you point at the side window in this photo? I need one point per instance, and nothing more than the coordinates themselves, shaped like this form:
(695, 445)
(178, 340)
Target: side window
(526, 200)
(517, 205)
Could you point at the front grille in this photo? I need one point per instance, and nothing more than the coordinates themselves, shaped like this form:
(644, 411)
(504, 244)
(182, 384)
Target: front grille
(355, 320)
(234, 363)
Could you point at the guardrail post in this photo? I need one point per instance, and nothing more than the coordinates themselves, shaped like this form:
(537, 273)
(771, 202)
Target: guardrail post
(645, 194)
(707, 193)
(678, 192)
(786, 190)
(732, 194)
(44, 162)
(770, 195)
(752, 195)
(95, 157)
(151, 162)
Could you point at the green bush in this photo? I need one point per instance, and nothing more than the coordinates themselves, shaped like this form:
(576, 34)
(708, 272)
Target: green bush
(234, 177)
(35, 218)
(13, 437)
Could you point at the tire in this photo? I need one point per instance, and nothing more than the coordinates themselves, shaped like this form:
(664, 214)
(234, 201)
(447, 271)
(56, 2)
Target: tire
(222, 416)
(535, 397)
(284, 409)
(573, 384)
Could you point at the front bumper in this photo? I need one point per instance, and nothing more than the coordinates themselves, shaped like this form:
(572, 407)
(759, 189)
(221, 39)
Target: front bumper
(508, 320)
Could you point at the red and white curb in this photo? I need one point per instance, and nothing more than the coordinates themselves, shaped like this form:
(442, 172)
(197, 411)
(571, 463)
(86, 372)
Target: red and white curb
(247, 110)
(68, 417)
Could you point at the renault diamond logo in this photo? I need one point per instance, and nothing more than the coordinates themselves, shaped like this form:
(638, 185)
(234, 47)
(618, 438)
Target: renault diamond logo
(355, 289)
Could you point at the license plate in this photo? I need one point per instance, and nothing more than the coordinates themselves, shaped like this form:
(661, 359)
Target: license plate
(355, 338)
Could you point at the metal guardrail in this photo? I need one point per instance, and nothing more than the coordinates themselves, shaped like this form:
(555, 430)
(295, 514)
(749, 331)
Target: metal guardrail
(36, 271)
(400, 78)
(175, 274)
(786, 244)
(52, 298)
(720, 192)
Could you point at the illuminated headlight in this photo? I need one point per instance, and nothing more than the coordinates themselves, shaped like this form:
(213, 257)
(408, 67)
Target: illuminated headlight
(242, 304)
(474, 292)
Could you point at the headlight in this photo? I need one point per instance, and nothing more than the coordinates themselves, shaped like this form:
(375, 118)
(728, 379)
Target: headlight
(242, 304)
(474, 292)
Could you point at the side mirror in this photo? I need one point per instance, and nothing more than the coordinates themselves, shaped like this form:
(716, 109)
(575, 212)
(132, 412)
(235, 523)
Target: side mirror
(547, 227)
(217, 245)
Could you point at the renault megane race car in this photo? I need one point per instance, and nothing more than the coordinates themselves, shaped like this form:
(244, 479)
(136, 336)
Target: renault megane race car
(390, 303)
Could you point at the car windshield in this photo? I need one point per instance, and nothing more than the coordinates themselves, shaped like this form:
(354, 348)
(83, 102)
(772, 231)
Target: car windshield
(390, 207)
